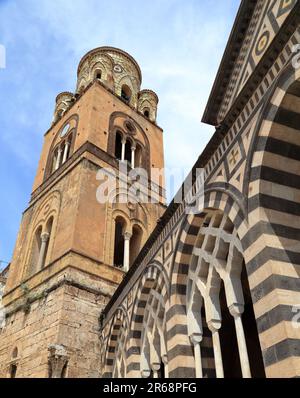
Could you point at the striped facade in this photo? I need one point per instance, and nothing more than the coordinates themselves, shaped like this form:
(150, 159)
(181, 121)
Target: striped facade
(215, 292)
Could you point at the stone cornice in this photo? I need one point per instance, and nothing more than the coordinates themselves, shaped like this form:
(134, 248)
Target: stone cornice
(231, 53)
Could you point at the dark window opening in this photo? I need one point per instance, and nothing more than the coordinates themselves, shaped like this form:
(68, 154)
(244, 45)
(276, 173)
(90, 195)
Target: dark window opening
(13, 371)
(118, 146)
(161, 372)
(126, 93)
(98, 75)
(228, 338)
(64, 371)
(128, 152)
(135, 243)
(147, 113)
(119, 243)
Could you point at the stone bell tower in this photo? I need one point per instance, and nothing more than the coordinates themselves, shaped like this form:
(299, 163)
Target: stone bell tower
(73, 250)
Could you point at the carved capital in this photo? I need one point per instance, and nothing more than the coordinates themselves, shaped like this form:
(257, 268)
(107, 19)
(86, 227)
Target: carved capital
(45, 237)
(58, 358)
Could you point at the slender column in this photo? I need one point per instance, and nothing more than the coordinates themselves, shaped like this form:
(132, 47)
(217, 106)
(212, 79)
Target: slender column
(165, 362)
(58, 158)
(196, 340)
(217, 350)
(133, 148)
(127, 237)
(44, 238)
(155, 369)
(236, 311)
(67, 146)
(123, 150)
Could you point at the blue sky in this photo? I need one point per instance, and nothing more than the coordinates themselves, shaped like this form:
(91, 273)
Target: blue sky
(177, 43)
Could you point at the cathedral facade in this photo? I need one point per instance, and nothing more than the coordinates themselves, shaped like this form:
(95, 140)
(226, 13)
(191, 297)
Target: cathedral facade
(127, 287)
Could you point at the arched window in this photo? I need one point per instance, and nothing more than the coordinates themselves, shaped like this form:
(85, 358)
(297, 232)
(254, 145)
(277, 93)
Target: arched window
(63, 151)
(98, 74)
(135, 243)
(119, 242)
(126, 93)
(147, 113)
(36, 247)
(40, 246)
(118, 146)
(128, 151)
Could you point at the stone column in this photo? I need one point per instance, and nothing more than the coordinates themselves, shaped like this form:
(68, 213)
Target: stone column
(44, 237)
(196, 340)
(58, 158)
(133, 148)
(155, 369)
(236, 311)
(123, 150)
(127, 237)
(214, 328)
(57, 360)
(165, 362)
(67, 146)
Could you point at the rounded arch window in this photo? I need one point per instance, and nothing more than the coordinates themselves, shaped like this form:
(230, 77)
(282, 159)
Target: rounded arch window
(98, 74)
(135, 242)
(147, 113)
(120, 225)
(126, 93)
(118, 145)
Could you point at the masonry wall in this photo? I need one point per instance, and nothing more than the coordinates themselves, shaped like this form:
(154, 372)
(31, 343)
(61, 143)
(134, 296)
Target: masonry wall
(67, 316)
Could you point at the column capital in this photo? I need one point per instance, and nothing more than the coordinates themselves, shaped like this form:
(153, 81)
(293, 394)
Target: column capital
(58, 358)
(45, 236)
(214, 325)
(145, 373)
(196, 338)
(164, 359)
(236, 309)
(127, 235)
(155, 366)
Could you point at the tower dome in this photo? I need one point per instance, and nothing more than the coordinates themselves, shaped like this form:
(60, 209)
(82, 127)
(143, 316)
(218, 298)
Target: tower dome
(113, 67)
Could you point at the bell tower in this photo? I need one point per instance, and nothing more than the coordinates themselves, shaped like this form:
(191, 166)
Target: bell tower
(73, 249)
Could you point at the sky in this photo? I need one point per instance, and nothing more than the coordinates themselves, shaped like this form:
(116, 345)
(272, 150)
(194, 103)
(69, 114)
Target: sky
(177, 43)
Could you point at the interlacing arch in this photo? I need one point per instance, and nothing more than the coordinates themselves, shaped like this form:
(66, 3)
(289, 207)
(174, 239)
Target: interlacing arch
(217, 257)
(154, 357)
(115, 364)
(148, 316)
(209, 255)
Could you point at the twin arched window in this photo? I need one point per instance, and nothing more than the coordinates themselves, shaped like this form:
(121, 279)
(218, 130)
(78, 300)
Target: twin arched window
(62, 151)
(128, 150)
(127, 244)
